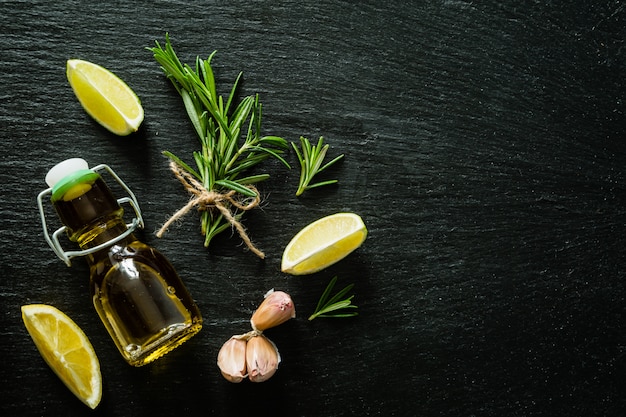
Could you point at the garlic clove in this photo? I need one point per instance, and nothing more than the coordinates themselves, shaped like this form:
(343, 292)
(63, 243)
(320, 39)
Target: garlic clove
(262, 358)
(231, 359)
(276, 309)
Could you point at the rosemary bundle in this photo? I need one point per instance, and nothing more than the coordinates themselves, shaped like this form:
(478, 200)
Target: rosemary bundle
(231, 144)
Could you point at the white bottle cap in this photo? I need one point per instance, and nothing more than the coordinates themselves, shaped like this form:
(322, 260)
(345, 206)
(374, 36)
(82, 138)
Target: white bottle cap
(65, 168)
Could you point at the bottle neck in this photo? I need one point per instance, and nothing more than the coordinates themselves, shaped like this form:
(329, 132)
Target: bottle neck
(92, 216)
(102, 232)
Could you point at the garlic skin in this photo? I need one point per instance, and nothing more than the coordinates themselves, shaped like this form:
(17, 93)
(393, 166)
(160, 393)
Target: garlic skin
(231, 359)
(262, 358)
(276, 309)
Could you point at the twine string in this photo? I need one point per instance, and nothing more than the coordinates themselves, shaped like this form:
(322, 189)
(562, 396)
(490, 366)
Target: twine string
(208, 199)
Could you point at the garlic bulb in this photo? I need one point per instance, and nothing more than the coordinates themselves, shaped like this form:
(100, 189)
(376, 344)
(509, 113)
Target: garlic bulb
(262, 358)
(253, 355)
(231, 359)
(276, 308)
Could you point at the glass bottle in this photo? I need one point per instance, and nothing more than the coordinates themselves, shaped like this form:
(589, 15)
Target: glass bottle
(138, 295)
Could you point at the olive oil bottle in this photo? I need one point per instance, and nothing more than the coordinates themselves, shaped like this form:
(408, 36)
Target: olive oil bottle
(138, 295)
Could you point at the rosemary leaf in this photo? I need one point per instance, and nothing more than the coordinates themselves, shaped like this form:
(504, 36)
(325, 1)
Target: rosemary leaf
(182, 164)
(320, 184)
(253, 179)
(235, 186)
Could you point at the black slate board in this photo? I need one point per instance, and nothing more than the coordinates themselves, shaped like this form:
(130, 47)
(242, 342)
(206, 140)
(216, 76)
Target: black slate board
(485, 150)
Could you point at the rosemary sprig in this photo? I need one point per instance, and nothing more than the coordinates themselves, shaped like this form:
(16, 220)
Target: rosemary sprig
(229, 133)
(311, 159)
(329, 306)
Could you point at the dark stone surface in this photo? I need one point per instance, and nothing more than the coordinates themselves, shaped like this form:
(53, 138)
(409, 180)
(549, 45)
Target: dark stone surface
(485, 150)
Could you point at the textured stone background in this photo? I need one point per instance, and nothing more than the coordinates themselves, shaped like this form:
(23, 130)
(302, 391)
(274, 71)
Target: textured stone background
(485, 150)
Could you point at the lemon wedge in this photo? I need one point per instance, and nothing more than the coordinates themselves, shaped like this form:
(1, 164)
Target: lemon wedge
(323, 243)
(105, 97)
(65, 347)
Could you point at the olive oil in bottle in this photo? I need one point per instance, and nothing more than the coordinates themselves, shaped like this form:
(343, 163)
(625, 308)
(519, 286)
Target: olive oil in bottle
(138, 295)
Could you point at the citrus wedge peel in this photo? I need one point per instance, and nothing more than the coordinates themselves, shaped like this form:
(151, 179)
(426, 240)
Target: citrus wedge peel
(322, 243)
(105, 97)
(66, 349)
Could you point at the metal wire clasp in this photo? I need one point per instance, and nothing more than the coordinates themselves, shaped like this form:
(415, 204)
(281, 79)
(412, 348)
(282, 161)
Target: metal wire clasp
(53, 240)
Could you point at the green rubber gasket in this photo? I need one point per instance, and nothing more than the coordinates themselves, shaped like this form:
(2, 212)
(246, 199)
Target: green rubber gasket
(78, 177)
